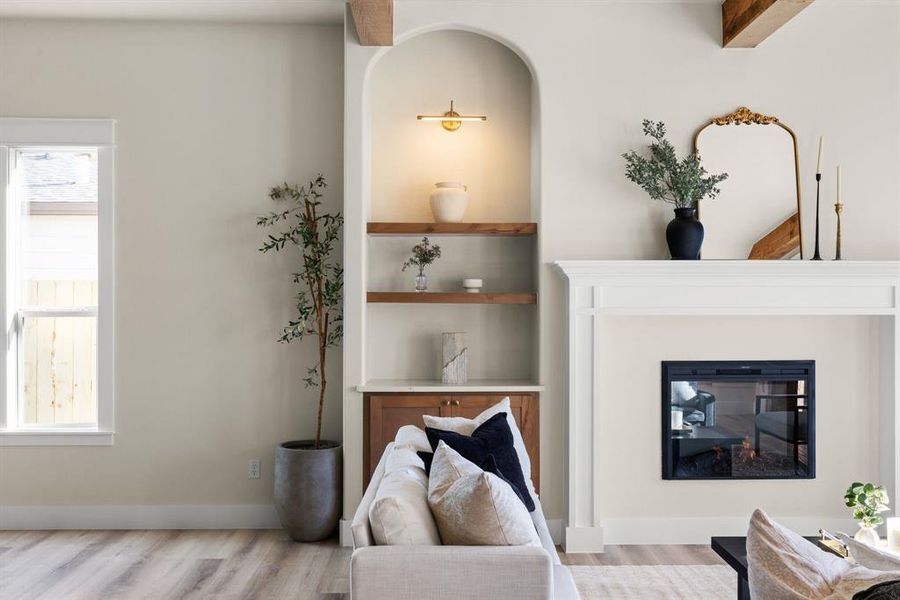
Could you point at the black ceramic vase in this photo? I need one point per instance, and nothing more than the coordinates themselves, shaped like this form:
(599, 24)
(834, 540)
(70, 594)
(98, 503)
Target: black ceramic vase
(684, 235)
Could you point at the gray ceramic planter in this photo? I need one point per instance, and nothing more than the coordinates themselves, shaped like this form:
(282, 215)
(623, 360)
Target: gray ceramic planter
(308, 488)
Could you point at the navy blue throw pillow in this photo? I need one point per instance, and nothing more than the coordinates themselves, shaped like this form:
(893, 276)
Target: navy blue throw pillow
(492, 437)
(490, 466)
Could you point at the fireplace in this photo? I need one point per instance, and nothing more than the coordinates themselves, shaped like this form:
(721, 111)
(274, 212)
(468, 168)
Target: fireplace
(738, 420)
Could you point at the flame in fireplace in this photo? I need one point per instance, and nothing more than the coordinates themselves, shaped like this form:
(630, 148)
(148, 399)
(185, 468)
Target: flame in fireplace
(746, 453)
(719, 452)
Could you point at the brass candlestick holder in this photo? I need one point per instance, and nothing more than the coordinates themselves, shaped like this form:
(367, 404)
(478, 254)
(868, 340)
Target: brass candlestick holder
(838, 209)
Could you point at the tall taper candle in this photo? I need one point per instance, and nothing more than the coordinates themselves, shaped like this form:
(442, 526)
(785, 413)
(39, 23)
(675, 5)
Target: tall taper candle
(838, 209)
(821, 150)
(838, 185)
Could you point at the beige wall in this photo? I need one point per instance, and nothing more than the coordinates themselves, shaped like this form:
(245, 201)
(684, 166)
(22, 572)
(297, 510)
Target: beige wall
(601, 67)
(847, 89)
(846, 412)
(208, 117)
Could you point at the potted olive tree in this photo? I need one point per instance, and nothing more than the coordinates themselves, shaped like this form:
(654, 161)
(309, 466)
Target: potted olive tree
(309, 473)
(681, 183)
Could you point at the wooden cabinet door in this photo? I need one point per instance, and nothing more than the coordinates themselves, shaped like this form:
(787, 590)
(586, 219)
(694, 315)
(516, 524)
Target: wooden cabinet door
(384, 414)
(524, 409)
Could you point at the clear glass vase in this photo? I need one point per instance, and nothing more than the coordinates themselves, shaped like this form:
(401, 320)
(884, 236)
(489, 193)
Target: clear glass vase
(421, 282)
(867, 535)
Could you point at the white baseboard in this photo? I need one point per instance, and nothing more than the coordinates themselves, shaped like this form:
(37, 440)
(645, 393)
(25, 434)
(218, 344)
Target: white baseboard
(698, 530)
(583, 540)
(346, 536)
(154, 516)
(557, 530)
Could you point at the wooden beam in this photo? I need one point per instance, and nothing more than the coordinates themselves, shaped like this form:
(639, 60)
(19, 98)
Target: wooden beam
(746, 23)
(781, 242)
(374, 21)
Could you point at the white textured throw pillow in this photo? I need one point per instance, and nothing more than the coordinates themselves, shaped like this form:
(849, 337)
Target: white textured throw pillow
(399, 515)
(782, 565)
(475, 508)
(467, 426)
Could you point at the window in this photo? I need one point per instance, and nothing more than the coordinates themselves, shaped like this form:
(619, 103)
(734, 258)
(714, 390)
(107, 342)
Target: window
(57, 272)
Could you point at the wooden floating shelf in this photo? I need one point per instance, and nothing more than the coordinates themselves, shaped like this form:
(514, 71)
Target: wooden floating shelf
(520, 229)
(450, 298)
(430, 385)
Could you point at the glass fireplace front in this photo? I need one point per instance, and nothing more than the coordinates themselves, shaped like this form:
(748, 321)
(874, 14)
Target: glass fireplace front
(738, 420)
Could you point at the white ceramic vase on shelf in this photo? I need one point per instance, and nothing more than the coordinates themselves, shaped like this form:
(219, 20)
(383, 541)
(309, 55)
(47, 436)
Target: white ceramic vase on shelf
(449, 200)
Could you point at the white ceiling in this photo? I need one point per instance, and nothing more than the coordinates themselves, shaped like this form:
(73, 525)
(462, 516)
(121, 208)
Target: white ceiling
(266, 11)
(263, 11)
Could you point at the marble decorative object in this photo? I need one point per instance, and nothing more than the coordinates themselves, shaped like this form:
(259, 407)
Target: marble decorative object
(455, 354)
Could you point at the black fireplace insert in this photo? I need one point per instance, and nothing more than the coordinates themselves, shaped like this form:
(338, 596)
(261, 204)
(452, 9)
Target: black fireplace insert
(739, 419)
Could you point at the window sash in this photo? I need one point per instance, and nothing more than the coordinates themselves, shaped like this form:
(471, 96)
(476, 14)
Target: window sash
(58, 311)
(21, 400)
(63, 134)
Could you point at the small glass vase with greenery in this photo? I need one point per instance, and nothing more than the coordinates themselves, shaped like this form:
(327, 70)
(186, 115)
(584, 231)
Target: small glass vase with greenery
(423, 254)
(681, 183)
(867, 501)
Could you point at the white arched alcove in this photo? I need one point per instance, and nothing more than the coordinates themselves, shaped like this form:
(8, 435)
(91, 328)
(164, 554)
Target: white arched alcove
(391, 162)
(407, 156)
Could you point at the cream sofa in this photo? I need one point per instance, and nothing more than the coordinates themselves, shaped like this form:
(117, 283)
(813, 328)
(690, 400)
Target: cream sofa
(453, 572)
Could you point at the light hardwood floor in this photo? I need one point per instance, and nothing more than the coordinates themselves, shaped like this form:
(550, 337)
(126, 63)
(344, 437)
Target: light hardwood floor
(229, 564)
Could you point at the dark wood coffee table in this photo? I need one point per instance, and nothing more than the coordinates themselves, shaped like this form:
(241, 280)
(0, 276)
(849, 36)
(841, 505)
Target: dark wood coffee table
(733, 551)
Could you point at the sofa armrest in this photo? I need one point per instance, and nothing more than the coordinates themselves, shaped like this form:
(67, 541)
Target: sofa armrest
(451, 573)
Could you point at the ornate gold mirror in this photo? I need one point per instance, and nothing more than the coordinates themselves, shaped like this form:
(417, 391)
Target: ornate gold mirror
(757, 215)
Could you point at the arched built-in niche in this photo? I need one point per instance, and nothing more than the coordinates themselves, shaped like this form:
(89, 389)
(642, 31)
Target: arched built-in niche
(421, 76)
(495, 159)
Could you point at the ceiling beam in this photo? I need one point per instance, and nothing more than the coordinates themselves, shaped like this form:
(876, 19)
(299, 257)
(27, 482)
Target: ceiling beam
(374, 21)
(746, 23)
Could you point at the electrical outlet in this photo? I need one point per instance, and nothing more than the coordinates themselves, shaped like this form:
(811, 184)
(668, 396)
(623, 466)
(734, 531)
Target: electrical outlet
(253, 468)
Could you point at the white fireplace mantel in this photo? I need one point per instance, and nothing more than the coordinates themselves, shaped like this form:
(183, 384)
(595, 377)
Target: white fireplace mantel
(606, 288)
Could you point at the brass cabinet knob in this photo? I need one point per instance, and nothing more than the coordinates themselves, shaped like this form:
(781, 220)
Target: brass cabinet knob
(454, 402)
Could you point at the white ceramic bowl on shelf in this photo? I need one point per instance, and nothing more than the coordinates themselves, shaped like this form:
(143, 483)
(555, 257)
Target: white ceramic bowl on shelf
(473, 286)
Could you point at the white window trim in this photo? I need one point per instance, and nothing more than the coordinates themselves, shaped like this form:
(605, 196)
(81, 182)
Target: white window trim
(100, 134)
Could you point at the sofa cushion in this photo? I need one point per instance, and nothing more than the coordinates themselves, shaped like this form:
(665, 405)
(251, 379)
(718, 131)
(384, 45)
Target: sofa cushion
(403, 457)
(412, 437)
(563, 584)
(473, 507)
(493, 437)
(467, 426)
(540, 524)
(399, 514)
(360, 529)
